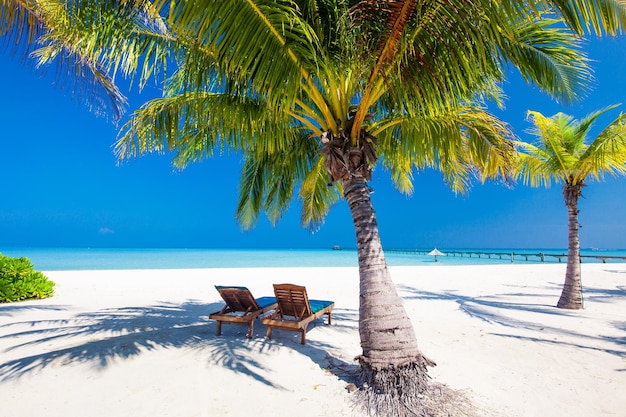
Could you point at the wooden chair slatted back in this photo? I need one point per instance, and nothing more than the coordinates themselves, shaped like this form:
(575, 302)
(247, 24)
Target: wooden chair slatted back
(238, 299)
(292, 300)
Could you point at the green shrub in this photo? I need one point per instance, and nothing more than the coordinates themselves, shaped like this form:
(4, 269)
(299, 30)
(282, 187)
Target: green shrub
(19, 281)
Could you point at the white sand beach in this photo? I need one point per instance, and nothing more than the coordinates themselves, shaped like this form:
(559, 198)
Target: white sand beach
(139, 343)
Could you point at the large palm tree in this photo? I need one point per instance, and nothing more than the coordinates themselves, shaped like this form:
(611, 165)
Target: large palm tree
(309, 108)
(563, 154)
(312, 93)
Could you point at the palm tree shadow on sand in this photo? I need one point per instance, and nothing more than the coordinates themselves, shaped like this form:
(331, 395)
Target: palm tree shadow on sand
(102, 337)
(9, 310)
(494, 311)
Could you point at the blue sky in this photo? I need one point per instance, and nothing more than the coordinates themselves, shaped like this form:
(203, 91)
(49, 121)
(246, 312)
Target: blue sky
(61, 185)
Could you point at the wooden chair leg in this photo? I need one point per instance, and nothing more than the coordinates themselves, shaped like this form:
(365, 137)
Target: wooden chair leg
(218, 329)
(251, 330)
(303, 330)
(269, 332)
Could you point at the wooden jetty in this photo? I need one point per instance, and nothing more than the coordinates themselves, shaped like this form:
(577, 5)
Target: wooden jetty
(513, 256)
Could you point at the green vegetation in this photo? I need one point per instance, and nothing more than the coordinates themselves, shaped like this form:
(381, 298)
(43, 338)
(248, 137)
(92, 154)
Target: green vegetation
(19, 281)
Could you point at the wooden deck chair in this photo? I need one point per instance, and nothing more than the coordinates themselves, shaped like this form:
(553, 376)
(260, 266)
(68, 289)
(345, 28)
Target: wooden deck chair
(295, 311)
(241, 308)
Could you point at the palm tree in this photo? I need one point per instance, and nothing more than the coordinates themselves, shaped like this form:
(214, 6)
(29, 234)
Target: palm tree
(312, 93)
(562, 154)
(309, 108)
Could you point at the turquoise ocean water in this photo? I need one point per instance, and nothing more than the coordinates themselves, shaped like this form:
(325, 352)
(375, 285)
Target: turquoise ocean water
(62, 259)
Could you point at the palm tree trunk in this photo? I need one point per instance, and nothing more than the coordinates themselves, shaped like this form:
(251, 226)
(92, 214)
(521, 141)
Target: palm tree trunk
(572, 294)
(391, 363)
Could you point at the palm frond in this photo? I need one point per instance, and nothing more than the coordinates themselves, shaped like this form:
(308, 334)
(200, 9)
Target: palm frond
(550, 56)
(317, 196)
(607, 153)
(462, 142)
(592, 16)
(21, 24)
(85, 41)
(531, 166)
(251, 192)
(582, 127)
(269, 181)
(431, 50)
(557, 143)
(193, 124)
(86, 79)
(264, 42)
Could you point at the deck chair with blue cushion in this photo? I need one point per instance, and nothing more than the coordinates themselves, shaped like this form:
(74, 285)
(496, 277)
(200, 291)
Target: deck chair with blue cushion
(295, 310)
(241, 308)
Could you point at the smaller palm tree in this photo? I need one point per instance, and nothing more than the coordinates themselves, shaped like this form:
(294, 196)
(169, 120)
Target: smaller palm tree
(563, 156)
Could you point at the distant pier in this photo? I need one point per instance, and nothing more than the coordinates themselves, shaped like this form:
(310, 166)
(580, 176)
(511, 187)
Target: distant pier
(513, 256)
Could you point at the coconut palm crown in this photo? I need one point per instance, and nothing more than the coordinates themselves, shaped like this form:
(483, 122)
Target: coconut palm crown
(563, 154)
